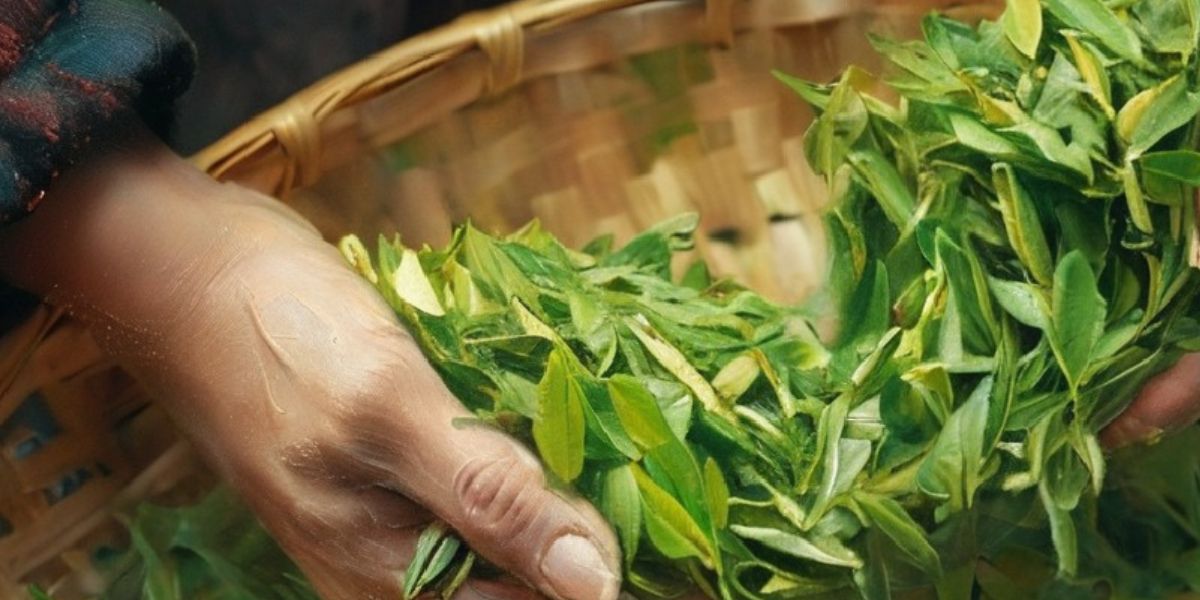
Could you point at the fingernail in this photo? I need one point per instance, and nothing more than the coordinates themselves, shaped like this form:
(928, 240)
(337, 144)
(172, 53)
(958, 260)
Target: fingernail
(576, 570)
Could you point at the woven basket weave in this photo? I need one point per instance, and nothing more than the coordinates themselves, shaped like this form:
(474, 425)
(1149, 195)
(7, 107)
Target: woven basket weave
(594, 116)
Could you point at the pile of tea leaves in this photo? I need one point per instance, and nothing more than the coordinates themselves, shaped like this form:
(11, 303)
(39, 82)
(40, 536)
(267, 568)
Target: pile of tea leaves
(1012, 246)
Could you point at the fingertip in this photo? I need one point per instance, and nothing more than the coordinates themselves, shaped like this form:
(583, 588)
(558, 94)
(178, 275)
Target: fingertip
(575, 567)
(1167, 402)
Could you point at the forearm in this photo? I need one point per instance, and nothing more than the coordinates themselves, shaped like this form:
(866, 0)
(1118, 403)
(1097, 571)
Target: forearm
(117, 236)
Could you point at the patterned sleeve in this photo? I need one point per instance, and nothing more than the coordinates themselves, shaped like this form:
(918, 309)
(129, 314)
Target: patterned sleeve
(69, 69)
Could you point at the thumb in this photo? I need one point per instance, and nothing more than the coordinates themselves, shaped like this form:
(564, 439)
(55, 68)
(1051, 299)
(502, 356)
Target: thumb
(1168, 402)
(494, 493)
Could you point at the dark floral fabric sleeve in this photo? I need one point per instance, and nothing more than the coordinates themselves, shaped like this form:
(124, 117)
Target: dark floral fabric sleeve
(68, 70)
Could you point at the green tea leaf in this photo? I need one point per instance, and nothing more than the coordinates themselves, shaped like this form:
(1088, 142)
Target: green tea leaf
(677, 364)
(1078, 316)
(890, 190)
(898, 526)
(1094, 72)
(736, 377)
(413, 287)
(639, 413)
(1022, 223)
(356, 254)
(621, 505)
(799, 547)
(716, 494)
(1152, 114)
(1170, 25)
(1023, 25)
(836, 131)
(1178, 165)
(1098, 21)
(829, 432)
(1024, 302)
(427, 561)
(36, 593)
(559, 426)
(1062, 532)
(951, 471)
(669, 526)
(968, 286)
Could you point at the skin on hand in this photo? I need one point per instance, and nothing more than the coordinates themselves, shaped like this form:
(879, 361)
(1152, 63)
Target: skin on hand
(1169, 402)
(295, 381)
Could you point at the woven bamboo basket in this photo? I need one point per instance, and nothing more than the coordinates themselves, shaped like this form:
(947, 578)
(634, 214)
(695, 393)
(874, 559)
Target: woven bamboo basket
(594, 116)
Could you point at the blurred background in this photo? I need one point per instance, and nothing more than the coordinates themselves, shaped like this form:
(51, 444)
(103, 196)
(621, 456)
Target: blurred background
(255, 53)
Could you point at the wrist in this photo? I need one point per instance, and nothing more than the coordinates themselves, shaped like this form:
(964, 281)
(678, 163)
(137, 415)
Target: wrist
(117, 233)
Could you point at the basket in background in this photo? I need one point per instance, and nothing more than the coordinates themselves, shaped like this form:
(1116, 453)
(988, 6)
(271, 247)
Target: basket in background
(594, 116)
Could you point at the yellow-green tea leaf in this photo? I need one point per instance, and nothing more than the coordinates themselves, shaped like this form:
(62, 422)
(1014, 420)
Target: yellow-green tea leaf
(716, 493)
(1078, 316)
(412, 285)
(677, 364)
(559, 427)
(356, 254)
(896, 524)
(1023, 25)
(639, 413)
(670, 528)
(827, 553)
(1022, 223)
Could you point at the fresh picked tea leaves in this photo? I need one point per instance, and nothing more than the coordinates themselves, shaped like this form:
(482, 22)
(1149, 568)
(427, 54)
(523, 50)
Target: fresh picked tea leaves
(215, 550)
(1012, 246)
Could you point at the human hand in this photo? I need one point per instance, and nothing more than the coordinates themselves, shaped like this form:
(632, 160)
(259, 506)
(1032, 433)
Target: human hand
(1167, 403)
(296, 382)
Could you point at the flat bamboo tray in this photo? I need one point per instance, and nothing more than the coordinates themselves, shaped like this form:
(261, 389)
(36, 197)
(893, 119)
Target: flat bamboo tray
(594, 116)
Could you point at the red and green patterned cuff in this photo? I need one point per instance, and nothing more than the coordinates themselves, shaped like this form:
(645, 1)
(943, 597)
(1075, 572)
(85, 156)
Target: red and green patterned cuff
(68, 70)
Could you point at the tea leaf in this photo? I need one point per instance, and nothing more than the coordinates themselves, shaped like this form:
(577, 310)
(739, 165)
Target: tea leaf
(1023, 25)
(1093, 71)
(413, 287)
(897, 525)
(1178, 165)
(1152, 114)
(622, 506)
(670, 528)
(1022, 223)
(736, 377)
(951, 471)
(677, 364)
(885, 183)
(1078, 316)
(559, 426)
(1025, 302)
(1062, 532)
(1098, 21)
(716, 494)
(794, 545)
(640, 415)
(356, 254)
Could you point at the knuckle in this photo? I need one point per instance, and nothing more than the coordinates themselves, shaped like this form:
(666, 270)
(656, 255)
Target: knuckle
(499, 495)
(322, 458)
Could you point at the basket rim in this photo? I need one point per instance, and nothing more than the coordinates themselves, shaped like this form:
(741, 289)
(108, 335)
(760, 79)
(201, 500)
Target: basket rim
(292, 130)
